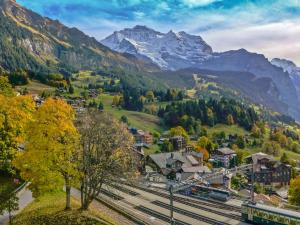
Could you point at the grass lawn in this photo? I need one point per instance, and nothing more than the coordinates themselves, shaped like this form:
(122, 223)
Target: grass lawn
(35, 87)
(49, 210)
(140, 120)
(290, 154)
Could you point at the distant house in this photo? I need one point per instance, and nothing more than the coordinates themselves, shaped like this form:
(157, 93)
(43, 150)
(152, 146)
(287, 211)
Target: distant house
(224, 157)
(269, 171)
(141, 136)
(178, 143)
(38, 100)
(180, 164)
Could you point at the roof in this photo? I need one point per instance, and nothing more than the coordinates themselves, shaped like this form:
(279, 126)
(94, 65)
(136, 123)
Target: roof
(258, 156)
(226, 151)
(161, 159)
(178, 137)
(282, 193)
(196, 154)
(171, 161)
(192, 160)
(196, 169)
(276, 210)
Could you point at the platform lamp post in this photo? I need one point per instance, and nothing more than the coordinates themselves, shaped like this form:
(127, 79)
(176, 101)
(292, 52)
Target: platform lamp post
(252, 183)
(172, 220)
(174, 188)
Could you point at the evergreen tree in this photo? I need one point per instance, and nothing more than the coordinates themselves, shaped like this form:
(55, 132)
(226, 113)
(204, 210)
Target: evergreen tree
(100, 106)
(124, 119)
(71, 89)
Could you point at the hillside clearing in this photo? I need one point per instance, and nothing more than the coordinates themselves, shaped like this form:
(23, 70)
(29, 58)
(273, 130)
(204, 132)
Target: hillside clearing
(234, 129)
(35, 87)
(140, 120)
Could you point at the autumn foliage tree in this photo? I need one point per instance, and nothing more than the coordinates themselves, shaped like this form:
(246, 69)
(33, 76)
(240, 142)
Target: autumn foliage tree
(203, 151)
(49, 161)
(294, 191)
(15, 112)
(5, 87)
(106, 154)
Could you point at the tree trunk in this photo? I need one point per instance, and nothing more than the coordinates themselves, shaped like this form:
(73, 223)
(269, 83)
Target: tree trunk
(81, 194)
(86, 202)
(68, 193)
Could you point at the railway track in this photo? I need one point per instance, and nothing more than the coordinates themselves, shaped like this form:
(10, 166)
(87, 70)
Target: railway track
(158, 215)
(111, 194)
(176, 209)
(231, 216)
(190, 214)
(125, 190)
(177, 198)
(187, 202)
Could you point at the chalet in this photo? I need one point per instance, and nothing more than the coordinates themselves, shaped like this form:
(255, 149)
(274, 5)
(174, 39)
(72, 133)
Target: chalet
(180, 164)
(269, 171)
(224, 157)
(274, 173)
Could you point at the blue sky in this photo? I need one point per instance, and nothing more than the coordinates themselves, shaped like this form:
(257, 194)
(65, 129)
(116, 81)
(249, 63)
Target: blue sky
(271, 27)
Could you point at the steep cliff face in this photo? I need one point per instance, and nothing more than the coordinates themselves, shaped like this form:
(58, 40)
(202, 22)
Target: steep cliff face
(48, 43)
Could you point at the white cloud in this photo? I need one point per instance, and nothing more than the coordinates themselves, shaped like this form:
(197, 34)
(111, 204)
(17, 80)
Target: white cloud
(274, 40)
(196, 3)
(139, 14)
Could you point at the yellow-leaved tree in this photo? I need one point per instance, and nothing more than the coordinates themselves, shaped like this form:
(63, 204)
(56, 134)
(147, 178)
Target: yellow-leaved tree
(175, 131)
(15, 112)
(294, 191)
(50, 157)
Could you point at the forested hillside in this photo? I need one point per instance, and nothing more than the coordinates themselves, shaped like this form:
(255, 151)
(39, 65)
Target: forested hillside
(41, 45)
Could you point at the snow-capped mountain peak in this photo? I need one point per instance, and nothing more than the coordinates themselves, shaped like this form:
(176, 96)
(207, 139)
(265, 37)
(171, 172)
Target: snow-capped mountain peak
(168, 50)
(292, 69)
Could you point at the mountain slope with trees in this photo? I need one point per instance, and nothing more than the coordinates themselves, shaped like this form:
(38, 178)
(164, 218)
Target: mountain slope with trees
(41, 45)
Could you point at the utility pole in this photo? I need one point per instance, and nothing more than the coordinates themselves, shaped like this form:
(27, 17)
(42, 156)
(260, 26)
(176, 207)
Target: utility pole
(172, 221)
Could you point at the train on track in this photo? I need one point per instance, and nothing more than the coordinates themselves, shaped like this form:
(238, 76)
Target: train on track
(266, 215)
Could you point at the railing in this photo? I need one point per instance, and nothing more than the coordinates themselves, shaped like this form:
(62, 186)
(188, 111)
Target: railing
(22, 186)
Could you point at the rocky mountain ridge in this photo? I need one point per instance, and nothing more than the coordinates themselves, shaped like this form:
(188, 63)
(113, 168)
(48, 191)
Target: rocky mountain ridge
(170, 51)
